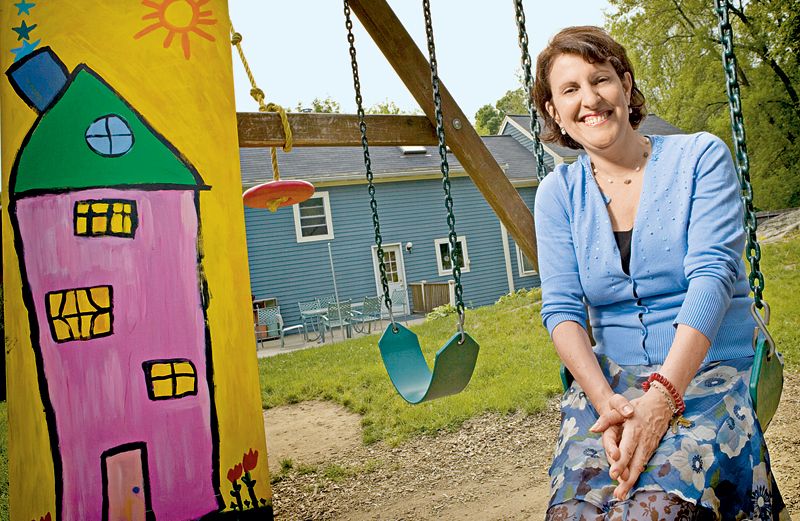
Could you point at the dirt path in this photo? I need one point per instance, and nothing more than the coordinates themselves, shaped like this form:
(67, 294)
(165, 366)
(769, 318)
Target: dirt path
(492, 468)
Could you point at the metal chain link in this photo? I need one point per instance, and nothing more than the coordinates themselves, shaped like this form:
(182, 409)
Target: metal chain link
(362, 125)
(753, 250)
(455, 250)
(541, 171)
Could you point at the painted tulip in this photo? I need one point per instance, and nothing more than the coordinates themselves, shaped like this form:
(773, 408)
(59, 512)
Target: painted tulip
(250, 460)
(235, 473)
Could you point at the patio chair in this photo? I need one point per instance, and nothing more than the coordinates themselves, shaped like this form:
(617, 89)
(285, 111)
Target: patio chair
(272, 326)
(399, 298)
(370, 312)
(311, 319)
(338, 316)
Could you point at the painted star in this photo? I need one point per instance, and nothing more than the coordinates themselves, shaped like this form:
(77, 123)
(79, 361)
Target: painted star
(24, 30)
(24, 7)
(26, 49)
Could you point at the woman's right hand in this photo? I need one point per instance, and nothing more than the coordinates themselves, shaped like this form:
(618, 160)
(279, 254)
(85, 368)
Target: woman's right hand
(614, 411)
(613, 414)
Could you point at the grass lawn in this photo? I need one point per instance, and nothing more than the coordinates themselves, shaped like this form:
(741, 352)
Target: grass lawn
(781, 267)
(517, 368)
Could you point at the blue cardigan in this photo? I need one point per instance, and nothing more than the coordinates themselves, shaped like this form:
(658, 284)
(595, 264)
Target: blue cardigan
(686, 254)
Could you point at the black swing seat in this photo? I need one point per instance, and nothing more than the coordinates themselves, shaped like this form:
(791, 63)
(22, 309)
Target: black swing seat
(408, 370)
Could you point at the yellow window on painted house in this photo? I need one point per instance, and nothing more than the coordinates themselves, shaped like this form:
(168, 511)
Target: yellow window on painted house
(99, 217)
(80, 313)
(168, 379)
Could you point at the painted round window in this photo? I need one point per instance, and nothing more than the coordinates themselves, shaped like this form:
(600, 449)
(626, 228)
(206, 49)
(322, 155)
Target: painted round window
(109, 136)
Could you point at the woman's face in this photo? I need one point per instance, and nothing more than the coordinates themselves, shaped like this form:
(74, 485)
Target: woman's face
(590, 101)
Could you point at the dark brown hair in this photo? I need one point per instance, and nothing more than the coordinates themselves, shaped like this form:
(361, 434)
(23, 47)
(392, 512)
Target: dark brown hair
(594, 45)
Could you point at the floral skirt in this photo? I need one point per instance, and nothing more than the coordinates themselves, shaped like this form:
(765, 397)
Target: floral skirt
(719, 462)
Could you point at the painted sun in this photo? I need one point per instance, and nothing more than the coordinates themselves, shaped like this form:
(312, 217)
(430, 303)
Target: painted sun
(179, 18)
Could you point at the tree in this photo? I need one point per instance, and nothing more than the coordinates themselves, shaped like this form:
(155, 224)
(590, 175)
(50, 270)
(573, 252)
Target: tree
(674, 46)
(488, 118)
(386, 107)
(326, 106)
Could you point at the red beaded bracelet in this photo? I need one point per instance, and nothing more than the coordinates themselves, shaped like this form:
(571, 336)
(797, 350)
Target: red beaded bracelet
(676, 397)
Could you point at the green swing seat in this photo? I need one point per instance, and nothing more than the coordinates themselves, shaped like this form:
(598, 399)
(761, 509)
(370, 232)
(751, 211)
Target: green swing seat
(399, 347)
(408, 370)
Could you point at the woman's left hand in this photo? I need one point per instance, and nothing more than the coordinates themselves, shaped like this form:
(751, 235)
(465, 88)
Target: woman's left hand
(641, 435)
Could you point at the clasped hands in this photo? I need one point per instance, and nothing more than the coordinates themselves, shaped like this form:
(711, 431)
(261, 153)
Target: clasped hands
(631, 432)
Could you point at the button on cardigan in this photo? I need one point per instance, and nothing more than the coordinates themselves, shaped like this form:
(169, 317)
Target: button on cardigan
(686, 262)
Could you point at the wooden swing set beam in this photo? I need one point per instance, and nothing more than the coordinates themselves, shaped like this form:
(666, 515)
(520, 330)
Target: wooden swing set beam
(312, 129)
(401, 52)
(264, 129)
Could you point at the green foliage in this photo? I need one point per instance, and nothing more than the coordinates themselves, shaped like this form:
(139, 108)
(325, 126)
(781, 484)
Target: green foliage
(385, 107)
(532, 295)
(440, 312)
(389, 107)
(488, 118)
(325, 106)
(517, 369)
(677, 58)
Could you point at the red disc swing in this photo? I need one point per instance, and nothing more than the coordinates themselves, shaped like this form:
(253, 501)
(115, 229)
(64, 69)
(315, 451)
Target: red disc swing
(276, 193)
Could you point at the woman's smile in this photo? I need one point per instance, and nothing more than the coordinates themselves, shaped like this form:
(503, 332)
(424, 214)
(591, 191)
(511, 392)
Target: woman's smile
(595, 119)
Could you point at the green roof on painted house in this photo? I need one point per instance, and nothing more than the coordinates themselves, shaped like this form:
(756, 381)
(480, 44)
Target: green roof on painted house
(57, 156)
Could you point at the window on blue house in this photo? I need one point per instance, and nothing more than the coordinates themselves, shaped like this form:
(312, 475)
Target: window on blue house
(312, 219)
(526, 267)
(443, 259)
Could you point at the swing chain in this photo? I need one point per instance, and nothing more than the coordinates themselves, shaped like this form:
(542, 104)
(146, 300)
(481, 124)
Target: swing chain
(753, 252)
(541, 172)
(456, 255)
(362, 125)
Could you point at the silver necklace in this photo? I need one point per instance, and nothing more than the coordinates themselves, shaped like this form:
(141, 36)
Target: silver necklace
(627, 179)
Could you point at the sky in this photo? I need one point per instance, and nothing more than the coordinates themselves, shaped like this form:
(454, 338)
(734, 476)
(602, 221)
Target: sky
(298, 50)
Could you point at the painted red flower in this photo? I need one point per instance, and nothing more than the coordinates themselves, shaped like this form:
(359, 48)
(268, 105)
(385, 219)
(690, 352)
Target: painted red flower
(45, 518)
(250, 460)
(235, 473)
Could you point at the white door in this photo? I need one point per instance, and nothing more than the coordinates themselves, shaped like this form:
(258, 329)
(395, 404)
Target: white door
(395, 276)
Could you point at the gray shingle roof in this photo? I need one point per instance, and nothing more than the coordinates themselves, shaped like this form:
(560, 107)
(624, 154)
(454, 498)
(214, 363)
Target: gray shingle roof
(342, 164)
(652, 125)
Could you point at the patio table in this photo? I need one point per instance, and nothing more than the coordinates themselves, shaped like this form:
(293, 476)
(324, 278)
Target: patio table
(319, 312)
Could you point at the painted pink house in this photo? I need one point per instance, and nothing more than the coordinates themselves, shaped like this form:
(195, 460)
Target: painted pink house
(106, 218)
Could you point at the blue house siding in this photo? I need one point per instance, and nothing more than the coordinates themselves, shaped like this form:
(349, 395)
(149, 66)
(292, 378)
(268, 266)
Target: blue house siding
(410, 211)
(509, 130)
(528, 195)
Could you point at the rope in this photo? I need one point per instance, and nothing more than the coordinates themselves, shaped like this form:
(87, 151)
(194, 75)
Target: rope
(257, 94)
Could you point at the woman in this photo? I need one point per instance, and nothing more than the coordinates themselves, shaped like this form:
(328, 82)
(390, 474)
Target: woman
(644, 232)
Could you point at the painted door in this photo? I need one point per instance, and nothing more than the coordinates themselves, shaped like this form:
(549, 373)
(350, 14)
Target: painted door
(126, 493)
(395, 276)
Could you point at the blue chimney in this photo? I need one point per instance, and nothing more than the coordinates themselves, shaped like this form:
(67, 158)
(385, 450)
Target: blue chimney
(38, 78)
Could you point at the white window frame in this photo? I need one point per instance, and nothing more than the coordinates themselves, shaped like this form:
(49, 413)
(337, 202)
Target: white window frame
(521, 265)
(442, 270)
(298, 231)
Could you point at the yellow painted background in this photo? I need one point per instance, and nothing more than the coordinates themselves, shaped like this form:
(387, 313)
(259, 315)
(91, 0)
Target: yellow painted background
(191, 103)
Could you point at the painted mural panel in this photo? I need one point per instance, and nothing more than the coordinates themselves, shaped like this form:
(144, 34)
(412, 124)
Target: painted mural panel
(131, 332)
